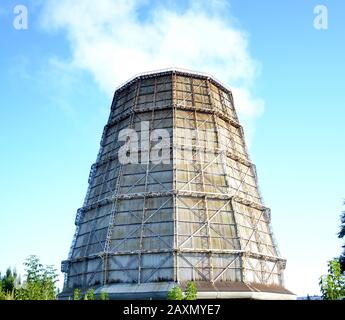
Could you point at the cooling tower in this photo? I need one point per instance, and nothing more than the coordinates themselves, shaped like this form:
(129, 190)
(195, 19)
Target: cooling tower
(173, 197)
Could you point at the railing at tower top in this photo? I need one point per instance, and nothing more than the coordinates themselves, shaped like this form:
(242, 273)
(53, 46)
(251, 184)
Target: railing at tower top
(169, 70)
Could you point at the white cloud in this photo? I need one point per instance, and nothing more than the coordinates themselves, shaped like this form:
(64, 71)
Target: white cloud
(111, 41)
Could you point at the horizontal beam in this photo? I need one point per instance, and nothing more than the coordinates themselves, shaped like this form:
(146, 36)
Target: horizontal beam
(219, 113)
(194, 194)
(244, 253)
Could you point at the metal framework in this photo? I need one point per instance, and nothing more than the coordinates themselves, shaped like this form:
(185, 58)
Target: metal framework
(200, 217)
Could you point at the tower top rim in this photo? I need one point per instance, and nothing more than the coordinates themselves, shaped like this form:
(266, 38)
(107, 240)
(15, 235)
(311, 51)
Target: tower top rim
(168, 71)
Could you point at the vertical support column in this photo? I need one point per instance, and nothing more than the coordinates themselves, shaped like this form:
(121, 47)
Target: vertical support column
(93, 227)
(148, 159)
(175, 168)
(198, 152)
(238, 236)
(231, 98)
(107, 251)
(222, 150)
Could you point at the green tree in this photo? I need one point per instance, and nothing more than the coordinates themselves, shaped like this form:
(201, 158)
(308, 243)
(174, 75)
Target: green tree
(40, 283)
(77, 294)
(175, 293)
(90, 294)
(2, 294)
(33, 268)
(341, 235)
(9, 281)
(332, 285)
(104, 295)
(191, 291)
(48, 283)
(6, 295)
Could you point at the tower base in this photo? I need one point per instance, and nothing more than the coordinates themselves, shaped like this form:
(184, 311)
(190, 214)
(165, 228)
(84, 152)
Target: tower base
(206, 290)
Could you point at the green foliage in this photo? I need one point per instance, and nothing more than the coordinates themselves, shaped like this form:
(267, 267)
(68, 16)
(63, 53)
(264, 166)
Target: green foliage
(104, 295)
(6, 295)
(175, 293)
(342, 260)
(191, 292)
(341, 235)
(9, 281)
(90, 294)
(33, 269)
(332, 285)
(40, 283)
(49, 279)
(77, 294)
(2, 293)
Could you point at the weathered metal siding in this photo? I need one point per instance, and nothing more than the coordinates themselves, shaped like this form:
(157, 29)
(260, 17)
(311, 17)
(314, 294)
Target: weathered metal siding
(223, 232)
(142, 226)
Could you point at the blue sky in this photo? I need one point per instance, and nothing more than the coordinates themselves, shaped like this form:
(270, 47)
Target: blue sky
(57, 78)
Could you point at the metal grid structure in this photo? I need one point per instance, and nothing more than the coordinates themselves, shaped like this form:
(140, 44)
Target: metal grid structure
(199, 216)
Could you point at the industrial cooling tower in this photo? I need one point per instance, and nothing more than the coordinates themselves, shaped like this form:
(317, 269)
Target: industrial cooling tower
(173, 197)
